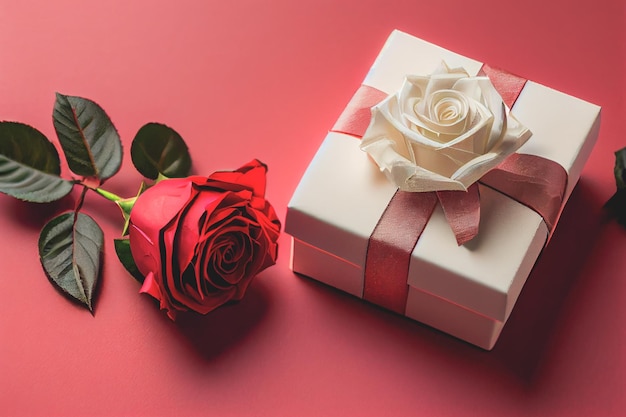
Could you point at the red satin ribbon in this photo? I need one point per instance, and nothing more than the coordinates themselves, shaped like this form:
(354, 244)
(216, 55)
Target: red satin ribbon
(355, 118)
(462, 211)
(508, 85)
(394, 237)
(534, 181)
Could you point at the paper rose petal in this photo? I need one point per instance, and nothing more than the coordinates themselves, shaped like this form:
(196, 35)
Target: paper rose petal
(442, 132)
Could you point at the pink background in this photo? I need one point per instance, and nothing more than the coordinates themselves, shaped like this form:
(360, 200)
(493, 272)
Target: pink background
(243, 79)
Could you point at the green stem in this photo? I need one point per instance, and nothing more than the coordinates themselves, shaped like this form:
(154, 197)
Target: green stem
(81, 200)
(125, 204)
(108, 195)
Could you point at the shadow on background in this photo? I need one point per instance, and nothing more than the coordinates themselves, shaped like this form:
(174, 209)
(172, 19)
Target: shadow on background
(35, 215)
(221, 330)
(517, 356)
(525, 337)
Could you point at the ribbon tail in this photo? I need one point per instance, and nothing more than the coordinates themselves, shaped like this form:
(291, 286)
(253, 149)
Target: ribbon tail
(462, 211)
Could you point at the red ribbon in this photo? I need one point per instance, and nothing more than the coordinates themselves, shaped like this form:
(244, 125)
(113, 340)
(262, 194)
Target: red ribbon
(462, 211)
(508, 85)
(356, 117)
(536, 182)
(395, 236)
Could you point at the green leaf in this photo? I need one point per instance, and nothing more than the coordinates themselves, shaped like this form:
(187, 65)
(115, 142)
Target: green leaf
(158, 149)
(29, 165)
(122, 249)
(620, 169)
(70, 250)
(616, 206)
(89, 140)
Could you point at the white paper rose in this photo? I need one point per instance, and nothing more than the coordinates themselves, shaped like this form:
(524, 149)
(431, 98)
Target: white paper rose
(442, 132)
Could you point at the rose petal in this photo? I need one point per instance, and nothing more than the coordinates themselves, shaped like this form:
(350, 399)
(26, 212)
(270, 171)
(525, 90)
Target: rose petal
(188, 231)
(413, 87)
(233, 241)
(144, 251)
(441, 82)
(267, 248)
(251, 175)
(441, 130)
(493, 101)
(387, 121)
(154, 209)
(151, 287)
(404, 173)
(172, 284)
(160, 204)
(214, 301)
(382, 126)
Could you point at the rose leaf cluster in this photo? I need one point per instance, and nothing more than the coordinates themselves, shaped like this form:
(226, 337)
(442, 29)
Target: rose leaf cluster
(194, 242)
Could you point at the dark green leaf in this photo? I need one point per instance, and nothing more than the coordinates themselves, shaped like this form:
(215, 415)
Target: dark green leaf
(616, 207)
(620, 169)
(70, 249)
(89, 140)
(159, 149)
(29, 165)
(122, 248)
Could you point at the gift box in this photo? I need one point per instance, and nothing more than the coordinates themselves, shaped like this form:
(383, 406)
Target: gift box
(337, 214)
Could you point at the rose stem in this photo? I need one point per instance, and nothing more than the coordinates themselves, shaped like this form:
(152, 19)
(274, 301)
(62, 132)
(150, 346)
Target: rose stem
(125, 204)
(81, 199)
(108, 195)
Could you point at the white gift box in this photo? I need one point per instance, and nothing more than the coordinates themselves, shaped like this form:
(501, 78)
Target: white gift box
(467, 291)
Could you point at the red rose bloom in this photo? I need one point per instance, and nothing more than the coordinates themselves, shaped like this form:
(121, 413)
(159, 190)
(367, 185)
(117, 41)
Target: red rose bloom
(199, 241)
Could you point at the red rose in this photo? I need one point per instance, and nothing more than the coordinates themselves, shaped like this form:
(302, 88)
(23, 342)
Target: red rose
(199, 241)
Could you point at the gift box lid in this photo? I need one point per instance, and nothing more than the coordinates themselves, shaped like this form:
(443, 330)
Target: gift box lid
(342, 194)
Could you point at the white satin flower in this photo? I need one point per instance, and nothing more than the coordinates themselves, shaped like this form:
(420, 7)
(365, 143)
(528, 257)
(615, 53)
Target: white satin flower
(442, 132)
